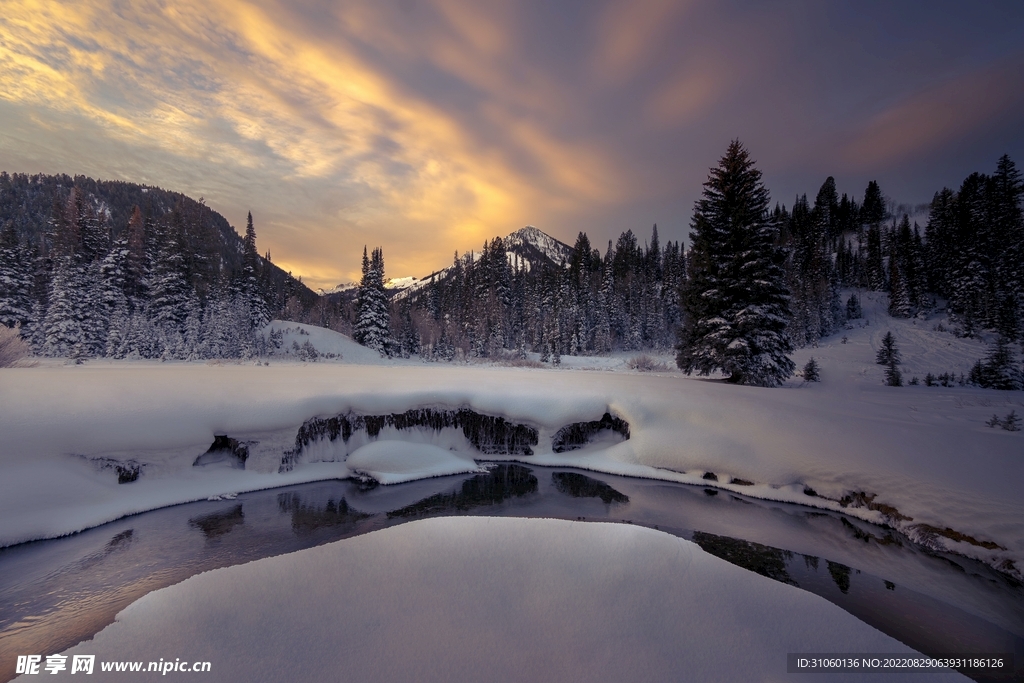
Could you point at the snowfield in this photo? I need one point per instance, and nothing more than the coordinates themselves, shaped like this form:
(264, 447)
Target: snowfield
(918, 458)
(489, 599)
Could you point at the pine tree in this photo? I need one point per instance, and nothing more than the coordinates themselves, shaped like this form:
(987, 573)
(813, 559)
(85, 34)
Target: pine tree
(137, 265)
(736, 302)
(255, 301)
(15, 281)
(373, 322)
(63, 322)
(853, 308)
(999, 369)
(812, 371)
(899, 296)
(1006, 214)
(889, 356)
(169, 290)
(872, 214)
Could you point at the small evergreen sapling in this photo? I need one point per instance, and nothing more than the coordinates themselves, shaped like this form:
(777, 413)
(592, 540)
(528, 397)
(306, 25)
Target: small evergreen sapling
(889, 356)
(1010, 423)
(812, 371)
(853, 308)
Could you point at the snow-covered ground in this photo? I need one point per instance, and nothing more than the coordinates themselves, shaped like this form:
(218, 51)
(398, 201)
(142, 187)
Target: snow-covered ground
(488, 599)
(919, 458)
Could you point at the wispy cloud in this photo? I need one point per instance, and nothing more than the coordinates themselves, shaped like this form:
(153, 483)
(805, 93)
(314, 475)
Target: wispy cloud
(934, 116)
(430, 125)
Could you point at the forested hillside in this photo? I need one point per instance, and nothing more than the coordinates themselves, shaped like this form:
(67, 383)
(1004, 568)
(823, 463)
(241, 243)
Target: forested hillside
(108, 268)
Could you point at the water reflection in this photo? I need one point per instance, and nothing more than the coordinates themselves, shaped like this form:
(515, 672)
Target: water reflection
(308, 517)
(581, 486)
(53, 594)
(840, 573)
(501, 483)
(218, 523)
(761, 559)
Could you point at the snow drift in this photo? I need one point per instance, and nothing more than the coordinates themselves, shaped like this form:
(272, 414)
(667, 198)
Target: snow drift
(489, 599)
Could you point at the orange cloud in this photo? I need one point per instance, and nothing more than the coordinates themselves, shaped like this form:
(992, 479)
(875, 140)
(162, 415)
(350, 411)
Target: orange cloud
(242, 86)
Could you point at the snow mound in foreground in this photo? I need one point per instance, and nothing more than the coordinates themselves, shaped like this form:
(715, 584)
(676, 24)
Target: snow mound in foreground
(328, 344)
(489, 599)
(394, 462)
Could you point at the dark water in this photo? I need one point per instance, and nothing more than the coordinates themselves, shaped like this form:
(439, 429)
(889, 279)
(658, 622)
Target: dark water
(54, 594)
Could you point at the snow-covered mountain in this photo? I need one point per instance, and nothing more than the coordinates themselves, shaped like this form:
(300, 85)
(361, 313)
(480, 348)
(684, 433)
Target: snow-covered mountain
(532, 246)
(393, 286)
(337, 289)
(536, 247)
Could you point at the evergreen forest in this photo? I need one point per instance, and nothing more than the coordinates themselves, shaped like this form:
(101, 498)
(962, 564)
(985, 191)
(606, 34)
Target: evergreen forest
(94, 268)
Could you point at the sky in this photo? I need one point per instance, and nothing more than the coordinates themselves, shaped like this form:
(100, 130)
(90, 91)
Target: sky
(429, 126)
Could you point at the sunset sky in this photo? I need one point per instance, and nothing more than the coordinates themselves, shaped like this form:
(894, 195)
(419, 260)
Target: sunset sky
(428, 126)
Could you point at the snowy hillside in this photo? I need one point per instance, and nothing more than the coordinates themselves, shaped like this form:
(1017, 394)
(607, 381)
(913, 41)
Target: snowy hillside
(295, 341)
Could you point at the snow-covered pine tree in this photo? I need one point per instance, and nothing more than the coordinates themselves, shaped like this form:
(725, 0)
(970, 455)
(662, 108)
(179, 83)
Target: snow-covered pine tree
(812, 371)
(169, 289)
(899, 295)
(889, 356)
(252, 290)
(940, 236)
(605, 299)
(63, 322)
(15, 280)
(736, 303)
(1006, 213)
(972, 256)
(192, 337)
(137, 264)
(95, 315)
(112, 302)
(999, 369)
(674, 274)
(853, 307)
(872, 214)
(373, 321)
(218, 332)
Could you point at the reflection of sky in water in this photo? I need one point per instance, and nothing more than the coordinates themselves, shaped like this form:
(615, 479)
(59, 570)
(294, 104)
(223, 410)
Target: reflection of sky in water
(56, 593)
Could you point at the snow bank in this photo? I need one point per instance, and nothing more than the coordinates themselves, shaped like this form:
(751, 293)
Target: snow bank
(327, 344)
(918, 458)
(488, 599)
(394, 462)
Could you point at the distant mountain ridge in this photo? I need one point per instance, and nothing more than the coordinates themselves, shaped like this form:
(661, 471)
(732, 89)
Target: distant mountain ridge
(532, 246)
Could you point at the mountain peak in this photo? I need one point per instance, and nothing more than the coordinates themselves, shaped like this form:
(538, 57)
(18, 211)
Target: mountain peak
(534, 246)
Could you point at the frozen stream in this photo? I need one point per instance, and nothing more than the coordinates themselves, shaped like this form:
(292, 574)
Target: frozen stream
(56, 593)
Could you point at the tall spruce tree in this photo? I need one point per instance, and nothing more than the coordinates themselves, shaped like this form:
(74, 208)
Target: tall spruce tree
(252, 290)
(736, 302)
(373, 322)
